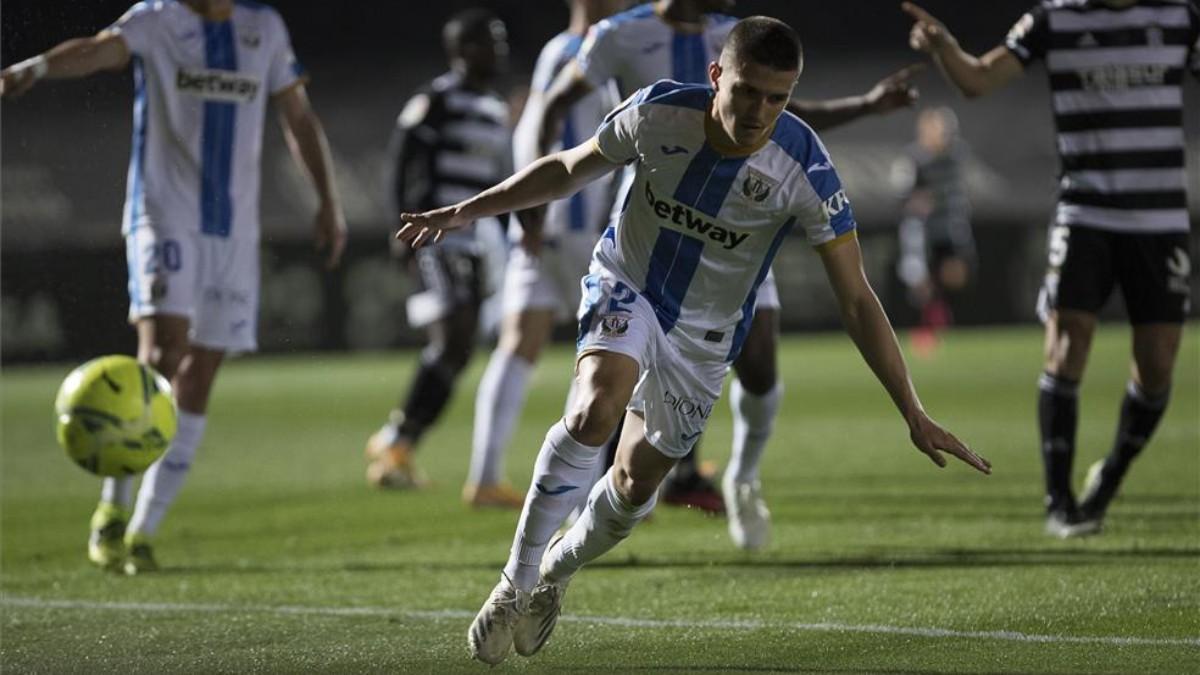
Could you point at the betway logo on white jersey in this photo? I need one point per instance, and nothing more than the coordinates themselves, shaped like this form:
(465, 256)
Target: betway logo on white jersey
(217, 85)
(687, 219)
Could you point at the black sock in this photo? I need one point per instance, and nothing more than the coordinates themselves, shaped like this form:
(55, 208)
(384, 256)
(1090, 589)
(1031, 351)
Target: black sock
(427, 397)
(1140, 415)
(1058, 417)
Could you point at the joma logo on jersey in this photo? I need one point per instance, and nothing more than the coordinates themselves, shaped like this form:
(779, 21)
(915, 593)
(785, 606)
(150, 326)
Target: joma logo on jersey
(217, 85)
(836, 204)
(686, 406)
(1123, 76)
(688, 219)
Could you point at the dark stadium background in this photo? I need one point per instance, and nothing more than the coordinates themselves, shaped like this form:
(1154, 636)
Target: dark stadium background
(65, 149)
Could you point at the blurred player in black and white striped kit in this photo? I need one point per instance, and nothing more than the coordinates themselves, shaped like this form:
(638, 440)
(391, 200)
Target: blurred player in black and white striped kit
(1116, 72)
(452, 140)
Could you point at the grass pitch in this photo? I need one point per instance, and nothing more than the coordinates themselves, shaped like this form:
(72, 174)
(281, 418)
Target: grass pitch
(279, 559)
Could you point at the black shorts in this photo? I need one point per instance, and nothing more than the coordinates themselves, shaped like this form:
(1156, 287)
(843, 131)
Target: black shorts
(1152, 270)
(447, 278)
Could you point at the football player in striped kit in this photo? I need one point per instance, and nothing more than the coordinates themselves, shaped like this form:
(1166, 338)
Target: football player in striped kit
(677, 39)
(1116, 71)
(722, 175)
(451, 140)
(551, 250)
(203, 72)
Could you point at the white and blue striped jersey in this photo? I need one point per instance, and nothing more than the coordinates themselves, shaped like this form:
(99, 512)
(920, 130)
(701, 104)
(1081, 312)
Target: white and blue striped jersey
(586, 211)
(701, 227)
(637, 48)
(200, 96)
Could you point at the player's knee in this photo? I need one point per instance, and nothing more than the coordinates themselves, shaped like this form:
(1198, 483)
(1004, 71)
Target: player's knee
(1154, 373)
(165, 358)
(592, 419)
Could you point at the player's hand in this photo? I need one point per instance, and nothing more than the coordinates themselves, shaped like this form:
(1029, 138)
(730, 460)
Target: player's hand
(16, 81)
(419, 229)
(895, 90)
(330, 234)
(532, 221)
(928, 35)
(931, 439)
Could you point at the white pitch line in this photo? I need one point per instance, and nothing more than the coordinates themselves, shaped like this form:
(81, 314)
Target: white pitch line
(624, 622)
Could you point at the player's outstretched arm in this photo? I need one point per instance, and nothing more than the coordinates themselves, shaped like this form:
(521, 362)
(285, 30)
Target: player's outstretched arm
(306, 140)
(974, 76)
(871, 331)
(78, 57)
(891, 93)
(547, 179)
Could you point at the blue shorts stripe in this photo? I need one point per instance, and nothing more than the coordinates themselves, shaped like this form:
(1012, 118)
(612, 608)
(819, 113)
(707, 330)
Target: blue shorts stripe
(591, 300)
(672, 265)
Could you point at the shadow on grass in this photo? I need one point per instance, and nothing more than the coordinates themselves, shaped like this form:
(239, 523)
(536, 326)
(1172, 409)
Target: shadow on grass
(893, 559)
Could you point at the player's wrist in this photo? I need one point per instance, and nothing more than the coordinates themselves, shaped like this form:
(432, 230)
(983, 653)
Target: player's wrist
(35, 67)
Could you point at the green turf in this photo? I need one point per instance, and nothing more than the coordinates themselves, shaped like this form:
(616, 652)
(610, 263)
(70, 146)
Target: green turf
(277, 558)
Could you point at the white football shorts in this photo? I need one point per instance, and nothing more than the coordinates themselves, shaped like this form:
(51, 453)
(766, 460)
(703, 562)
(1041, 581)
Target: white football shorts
(674, 393)
(550, 280)
(212, 281)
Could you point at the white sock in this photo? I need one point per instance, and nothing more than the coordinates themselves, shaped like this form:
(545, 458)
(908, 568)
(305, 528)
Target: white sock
(561, 474)
(166, 476)
(117, 491)
(497, 406)
(607, 520)
(753, 422)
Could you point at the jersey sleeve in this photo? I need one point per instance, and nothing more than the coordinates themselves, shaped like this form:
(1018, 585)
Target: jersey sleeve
(599, 56)
(1029, 38)
(831, 219)
(414, 143)
(617, 136)
(284, 70)
(136, 27)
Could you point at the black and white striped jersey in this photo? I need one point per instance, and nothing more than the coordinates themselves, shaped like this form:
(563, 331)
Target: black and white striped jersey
(451, 143)
(1116, 76)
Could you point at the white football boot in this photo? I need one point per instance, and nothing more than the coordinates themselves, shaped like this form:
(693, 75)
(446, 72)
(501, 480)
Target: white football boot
(535, 625)
(491, 633)
(749, 519)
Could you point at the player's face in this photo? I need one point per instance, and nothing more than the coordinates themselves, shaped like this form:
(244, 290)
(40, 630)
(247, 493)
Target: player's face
(749, 98)
(487, 55)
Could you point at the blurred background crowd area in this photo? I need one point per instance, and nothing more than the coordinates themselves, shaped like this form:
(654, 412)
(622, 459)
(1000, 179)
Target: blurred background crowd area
(64, 152)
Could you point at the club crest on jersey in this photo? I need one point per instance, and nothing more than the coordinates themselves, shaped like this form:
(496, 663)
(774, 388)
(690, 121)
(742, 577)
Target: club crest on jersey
(612, 325)
(216, 85)
(687, 219)
(756, 186)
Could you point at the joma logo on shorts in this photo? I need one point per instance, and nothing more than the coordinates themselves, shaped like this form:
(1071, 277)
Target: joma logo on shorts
(217, 85)
(687, 219)
(688, 407)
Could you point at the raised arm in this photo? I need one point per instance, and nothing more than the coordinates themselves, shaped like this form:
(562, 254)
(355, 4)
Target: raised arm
(78, 57)
(868, 326)
(309, 147)
(974, 76)
(892, 92)
(547, 179)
